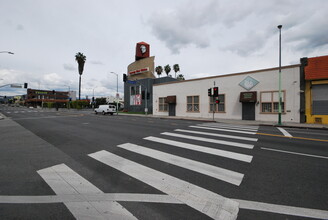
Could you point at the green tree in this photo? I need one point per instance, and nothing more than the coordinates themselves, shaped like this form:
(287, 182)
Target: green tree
(167, 69)
(159, 70)
(176, 69)
(180, 77)
(80, 59)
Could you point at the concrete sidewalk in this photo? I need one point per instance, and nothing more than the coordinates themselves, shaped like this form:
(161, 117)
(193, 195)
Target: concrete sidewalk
(240, 122)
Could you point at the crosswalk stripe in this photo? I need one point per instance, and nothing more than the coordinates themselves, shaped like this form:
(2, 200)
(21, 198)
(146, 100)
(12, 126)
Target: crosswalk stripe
(233, 128)
(64, 181)
(217, 135)
(208, 150)
(203, 200)
(226, 175)
(229, 143)
(284, 132)
(230, 126)
(222, 129)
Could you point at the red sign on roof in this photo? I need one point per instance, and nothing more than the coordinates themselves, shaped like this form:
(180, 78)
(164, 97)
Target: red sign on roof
(142, 50)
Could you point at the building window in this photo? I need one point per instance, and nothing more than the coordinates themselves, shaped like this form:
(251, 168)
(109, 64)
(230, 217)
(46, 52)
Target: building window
(270, 102)
(218, 107)
(135, 95)
(192, 103)
(162, 104)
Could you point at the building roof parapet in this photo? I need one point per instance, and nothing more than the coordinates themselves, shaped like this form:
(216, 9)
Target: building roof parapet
(231, 74)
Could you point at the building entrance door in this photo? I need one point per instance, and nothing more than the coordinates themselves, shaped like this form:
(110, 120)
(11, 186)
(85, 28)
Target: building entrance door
(172, 109)
(248, 111)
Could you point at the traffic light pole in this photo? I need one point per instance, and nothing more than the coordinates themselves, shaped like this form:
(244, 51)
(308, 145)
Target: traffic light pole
(213, 100)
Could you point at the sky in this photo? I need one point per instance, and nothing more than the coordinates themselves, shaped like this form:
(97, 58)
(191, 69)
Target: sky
(206, 38)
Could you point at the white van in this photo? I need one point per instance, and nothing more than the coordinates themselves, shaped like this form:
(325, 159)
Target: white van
(106, 109)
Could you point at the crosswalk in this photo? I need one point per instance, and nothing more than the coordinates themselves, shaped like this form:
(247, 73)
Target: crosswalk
(25, 111)
(222, 141)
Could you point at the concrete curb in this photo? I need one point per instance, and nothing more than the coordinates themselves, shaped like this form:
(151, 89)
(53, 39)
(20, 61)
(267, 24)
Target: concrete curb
(233, 121)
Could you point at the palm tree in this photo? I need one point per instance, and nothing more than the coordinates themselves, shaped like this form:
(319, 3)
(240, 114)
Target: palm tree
(180, 77)
(167, 69)
(80, 59)
(159, 70)
(176, 69)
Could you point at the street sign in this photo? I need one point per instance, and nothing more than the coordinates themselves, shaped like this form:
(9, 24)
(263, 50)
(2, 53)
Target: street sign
(131, 82)
(15, 86)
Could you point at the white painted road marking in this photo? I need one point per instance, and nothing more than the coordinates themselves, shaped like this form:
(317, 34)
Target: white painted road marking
(124, 197)
(207, 150)
(156, 198)
(229, 143)
(284, 132)
(217, 135)
(64, 181)
(282, 209)
(290, 152)
(203, 200)
(237, 127)
(226, 175)
(221, 129)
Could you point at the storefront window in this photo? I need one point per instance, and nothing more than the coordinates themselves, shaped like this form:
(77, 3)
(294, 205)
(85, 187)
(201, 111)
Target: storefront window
(218, 107)
(192, 103)
(162, 104)
(135, 97)
(270, 102)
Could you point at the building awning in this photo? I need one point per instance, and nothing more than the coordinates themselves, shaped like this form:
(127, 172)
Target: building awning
(171, 99)
(248, 96)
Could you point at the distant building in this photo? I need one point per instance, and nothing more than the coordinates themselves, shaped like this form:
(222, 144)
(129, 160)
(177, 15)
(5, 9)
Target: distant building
(36, 97)
(138, 83)
(72, 95)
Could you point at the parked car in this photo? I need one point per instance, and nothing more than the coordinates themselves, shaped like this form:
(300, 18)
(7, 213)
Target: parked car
(106, 109)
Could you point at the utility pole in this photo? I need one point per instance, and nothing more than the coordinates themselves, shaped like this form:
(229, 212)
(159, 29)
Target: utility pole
(279, 105)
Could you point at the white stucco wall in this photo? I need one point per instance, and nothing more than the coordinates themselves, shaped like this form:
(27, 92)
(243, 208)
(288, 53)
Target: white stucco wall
(229, 85)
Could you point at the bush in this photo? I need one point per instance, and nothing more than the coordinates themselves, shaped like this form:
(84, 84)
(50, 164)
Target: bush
(48, 105)
(79, 104)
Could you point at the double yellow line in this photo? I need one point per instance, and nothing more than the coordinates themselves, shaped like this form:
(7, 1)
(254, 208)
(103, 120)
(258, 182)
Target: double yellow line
(300, 138)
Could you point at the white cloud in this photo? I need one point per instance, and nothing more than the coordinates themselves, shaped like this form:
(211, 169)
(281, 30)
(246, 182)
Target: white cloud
(69, 67)
(206, 37)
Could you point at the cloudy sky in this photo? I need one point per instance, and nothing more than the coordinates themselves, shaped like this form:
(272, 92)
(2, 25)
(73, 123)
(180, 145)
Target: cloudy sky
(206, 38)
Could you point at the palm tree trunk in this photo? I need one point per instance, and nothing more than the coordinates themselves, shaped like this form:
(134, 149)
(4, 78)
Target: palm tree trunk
(80, 88)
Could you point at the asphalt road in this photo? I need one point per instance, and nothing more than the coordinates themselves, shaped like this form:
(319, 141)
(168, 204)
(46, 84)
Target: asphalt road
(149, 168)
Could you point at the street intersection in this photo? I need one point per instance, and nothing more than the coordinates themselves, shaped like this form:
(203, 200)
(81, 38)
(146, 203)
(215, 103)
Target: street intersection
(73, 164)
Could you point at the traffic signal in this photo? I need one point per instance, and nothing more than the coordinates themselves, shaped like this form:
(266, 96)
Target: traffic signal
(217, 101)
(25, 85)
(125, 78)
(209, 92)
(216, 91)
(148, 95)
(142, 94)
(53, 91)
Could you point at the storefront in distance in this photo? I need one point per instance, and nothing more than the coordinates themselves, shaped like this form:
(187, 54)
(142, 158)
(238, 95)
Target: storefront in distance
(36, 97)
(250, 95)
(315, 71)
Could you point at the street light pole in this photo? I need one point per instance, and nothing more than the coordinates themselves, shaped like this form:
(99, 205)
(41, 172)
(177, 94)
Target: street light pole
(116, 92)
(279, 105)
